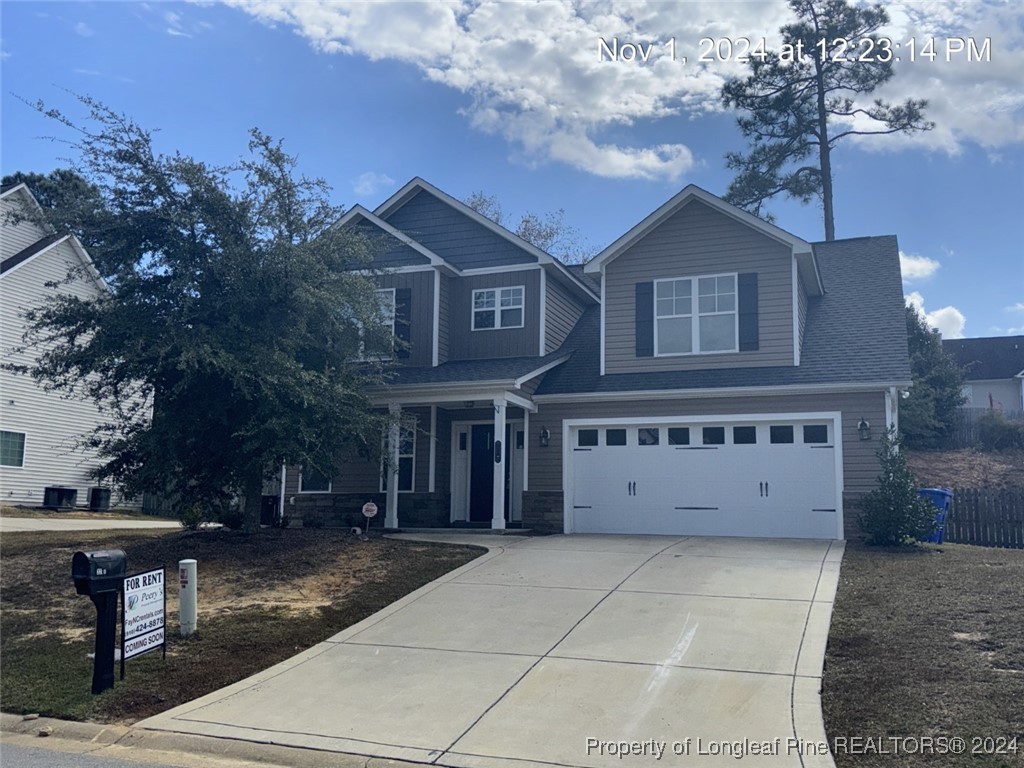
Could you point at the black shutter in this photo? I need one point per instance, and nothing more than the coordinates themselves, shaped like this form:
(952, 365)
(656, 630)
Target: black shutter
(403, 315)
(747, 289)
(645, 319)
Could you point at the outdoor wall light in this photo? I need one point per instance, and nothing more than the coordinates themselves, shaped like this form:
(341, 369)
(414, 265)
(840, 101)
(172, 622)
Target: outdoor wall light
(545, 437)
(864, 429)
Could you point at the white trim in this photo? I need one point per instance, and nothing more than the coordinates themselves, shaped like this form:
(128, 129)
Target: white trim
(409, 269)
(497, 307)
(685, 394)
(518, 383)
(521, 402)
(603, 294)
(435, 353)
(433, 451)
(280, 500)
(836, 417)
(695, 314)
(542, 349)
(498, 489)
(796, 316)
(467, 425)
(678, 201)
(22, 187)
(500, 270)
(398, 199)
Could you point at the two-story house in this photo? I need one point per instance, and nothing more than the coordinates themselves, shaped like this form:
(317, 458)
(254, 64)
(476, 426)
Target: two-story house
(41, 431)
(707, 373)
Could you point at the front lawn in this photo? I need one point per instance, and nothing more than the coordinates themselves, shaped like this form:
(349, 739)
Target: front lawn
(927, 642)
(262, 598)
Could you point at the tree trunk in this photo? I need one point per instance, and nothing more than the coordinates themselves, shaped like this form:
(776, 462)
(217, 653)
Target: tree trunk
(253, 500)
(824, 151)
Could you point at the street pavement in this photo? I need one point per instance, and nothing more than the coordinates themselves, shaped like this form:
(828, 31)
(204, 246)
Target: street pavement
(15, 524)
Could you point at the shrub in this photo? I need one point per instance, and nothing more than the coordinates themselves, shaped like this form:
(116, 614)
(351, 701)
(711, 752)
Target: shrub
(893, 513)
(233, 517)
(996, 433)
(192, 515)
(312, 521)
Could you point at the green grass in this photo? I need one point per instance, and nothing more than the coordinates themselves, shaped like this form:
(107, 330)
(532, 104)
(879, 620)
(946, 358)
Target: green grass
(44, 670)
(927, 641)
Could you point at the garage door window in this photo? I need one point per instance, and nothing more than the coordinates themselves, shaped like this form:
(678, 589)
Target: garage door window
(678, 435)
(815, 433)
(615, 437)
(744, 435)
(714, 435)
(587, 438)
(647, 435)
(781, 434)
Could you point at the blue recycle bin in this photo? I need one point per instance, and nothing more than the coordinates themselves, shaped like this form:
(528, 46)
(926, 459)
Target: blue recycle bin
(941, 498)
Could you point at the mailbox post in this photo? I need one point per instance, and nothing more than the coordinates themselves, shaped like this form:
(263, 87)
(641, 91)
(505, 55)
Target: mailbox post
(100, 575)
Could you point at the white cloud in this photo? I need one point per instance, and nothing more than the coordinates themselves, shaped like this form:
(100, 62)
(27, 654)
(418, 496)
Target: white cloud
(368, 183)
(1018, 307)
(84, 30)
(177, 32)
(949, 320)
(532, 75)
(917, 267)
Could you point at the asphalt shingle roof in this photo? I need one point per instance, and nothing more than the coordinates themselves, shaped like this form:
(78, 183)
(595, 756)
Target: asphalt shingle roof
(27, 253)
(461, 371)
(855, 333)
(991, 357)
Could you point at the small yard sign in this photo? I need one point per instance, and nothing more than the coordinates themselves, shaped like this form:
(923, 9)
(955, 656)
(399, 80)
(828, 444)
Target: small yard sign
(143, 611)
(369, 510)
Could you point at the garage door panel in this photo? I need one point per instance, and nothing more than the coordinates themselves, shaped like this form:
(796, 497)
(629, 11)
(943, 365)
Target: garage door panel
(735, 478)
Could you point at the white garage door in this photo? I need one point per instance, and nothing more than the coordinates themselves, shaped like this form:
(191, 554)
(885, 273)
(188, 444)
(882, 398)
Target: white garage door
(729, 478)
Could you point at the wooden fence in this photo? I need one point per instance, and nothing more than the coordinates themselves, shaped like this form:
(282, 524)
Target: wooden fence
(964, 433)
(985, 517)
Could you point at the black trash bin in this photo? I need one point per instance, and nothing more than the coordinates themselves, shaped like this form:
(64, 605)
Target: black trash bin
(99, 499)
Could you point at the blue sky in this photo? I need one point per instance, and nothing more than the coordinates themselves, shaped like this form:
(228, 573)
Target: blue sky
(511, 99)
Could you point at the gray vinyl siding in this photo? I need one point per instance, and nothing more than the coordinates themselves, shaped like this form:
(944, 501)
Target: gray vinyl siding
(467, 344)
(562, 313)
(443, 317)
(698, 240)
(388, 251)
(52, 424)
(860, 465)
(454, 236)
(421, 321)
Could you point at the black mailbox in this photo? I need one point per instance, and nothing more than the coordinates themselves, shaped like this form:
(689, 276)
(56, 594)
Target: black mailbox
(98, 572)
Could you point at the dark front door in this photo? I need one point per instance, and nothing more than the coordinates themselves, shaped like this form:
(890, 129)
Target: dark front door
(481, 473)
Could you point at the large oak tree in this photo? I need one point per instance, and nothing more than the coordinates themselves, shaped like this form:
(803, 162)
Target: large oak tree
(800, 101)
(231, 338)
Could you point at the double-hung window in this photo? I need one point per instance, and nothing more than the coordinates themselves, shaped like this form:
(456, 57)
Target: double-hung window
(379, 344)
(695, 315)
(498, 308)
(406, 460)
(12, 449)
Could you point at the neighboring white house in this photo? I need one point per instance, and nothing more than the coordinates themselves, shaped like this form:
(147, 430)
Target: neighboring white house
(995, 371)
(39, 430)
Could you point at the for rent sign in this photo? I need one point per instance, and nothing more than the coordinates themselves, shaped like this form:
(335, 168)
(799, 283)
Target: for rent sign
(142, 624)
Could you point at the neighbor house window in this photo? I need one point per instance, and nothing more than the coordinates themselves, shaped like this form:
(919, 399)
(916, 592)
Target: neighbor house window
(695, 315)
(312, 480)
(380, 344)
(498, 308)
(12, 449)
(406, 460)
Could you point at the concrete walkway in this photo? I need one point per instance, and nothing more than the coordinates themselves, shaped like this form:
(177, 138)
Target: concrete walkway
(566, 650)
(13, 524)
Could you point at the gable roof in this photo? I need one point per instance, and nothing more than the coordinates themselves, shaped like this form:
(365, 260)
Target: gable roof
(855, 335)
(358, 213)
(530, 253)
(989, 357)
(800, 248)
(27, 253)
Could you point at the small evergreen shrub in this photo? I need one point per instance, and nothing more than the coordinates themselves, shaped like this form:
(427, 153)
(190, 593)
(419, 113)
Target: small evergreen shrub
(996, 433)
(893, 513)
(191, 515)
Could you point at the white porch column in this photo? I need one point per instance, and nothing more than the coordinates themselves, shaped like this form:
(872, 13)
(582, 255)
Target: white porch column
(498, 518)
(394, 436)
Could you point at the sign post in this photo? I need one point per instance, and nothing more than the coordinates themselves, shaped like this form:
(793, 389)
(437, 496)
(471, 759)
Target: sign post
(143, 615)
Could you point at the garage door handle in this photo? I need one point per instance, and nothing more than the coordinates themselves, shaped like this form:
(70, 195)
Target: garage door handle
(760, 489)
(766, 488)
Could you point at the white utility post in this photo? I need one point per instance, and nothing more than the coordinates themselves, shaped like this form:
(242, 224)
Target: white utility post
(394, 437)
(187, 607)
(498, 519)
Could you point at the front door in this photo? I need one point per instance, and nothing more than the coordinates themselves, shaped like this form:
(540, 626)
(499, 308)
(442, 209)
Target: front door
(481, 473)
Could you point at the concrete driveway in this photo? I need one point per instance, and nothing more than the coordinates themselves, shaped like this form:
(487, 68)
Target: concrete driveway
(14, 524)
(566, 650)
